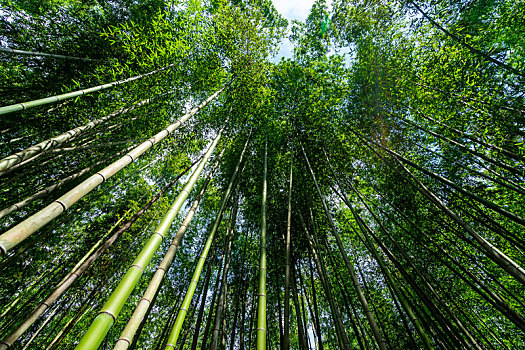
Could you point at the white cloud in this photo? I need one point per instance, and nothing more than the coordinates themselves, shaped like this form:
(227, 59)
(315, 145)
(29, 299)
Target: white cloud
(294, 9)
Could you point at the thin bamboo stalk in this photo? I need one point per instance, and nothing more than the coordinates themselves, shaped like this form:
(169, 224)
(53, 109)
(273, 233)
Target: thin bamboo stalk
(175, 331)
(98, 248)
(261, 305)
(491, 251)
(50, 55)
(424, 337)
(342, 338)
(514, 217)
(200, 315)
(286, 331)
(37, 332)
(57, 98)
(364, 303)
(20, 232)
(221, 304)
(111, 309)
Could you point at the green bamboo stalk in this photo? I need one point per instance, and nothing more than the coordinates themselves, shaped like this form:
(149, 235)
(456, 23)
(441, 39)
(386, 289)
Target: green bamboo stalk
(96, 145)
(514, 217)
(109, 312)
(384, 268)
(286, 335)
(46, 191)
(26, 228)
(325, 282)
(490, 250)
(221, 303)
(261, 305)
(175, 331)
(57, 98)
(55, 141)
(142, 309)
(34, 53)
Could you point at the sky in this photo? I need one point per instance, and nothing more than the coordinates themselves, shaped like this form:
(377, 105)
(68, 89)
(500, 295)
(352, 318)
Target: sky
(291, 9)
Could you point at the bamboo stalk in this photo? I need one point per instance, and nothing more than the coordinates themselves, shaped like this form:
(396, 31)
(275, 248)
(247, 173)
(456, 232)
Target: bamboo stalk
(286, 331)
(261, 305)
(221, 304)
(44, 192)
(490, 250)
(57, 98)
(55, 141)
(95, 251)
(34, 53)
(364, 303)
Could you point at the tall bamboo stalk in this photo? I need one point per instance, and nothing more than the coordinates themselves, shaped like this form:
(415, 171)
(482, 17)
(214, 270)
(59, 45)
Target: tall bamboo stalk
(286, 331)
(51, 55)
(142, 309)
(55, 141)
(261, 305)
(317, 324)
(342, 337)
(363, 227)
(57, 98)
(490, 250)
(198, 322)
(81, 311)
(221, 304)
(20, 232)
(175, 331)
(514, 217)
(109, 312)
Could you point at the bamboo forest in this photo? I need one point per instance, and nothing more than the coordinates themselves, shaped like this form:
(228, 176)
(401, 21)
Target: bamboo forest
(172, 177)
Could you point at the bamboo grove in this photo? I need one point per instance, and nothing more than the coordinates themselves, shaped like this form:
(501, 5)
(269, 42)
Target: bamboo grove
(166, 183)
